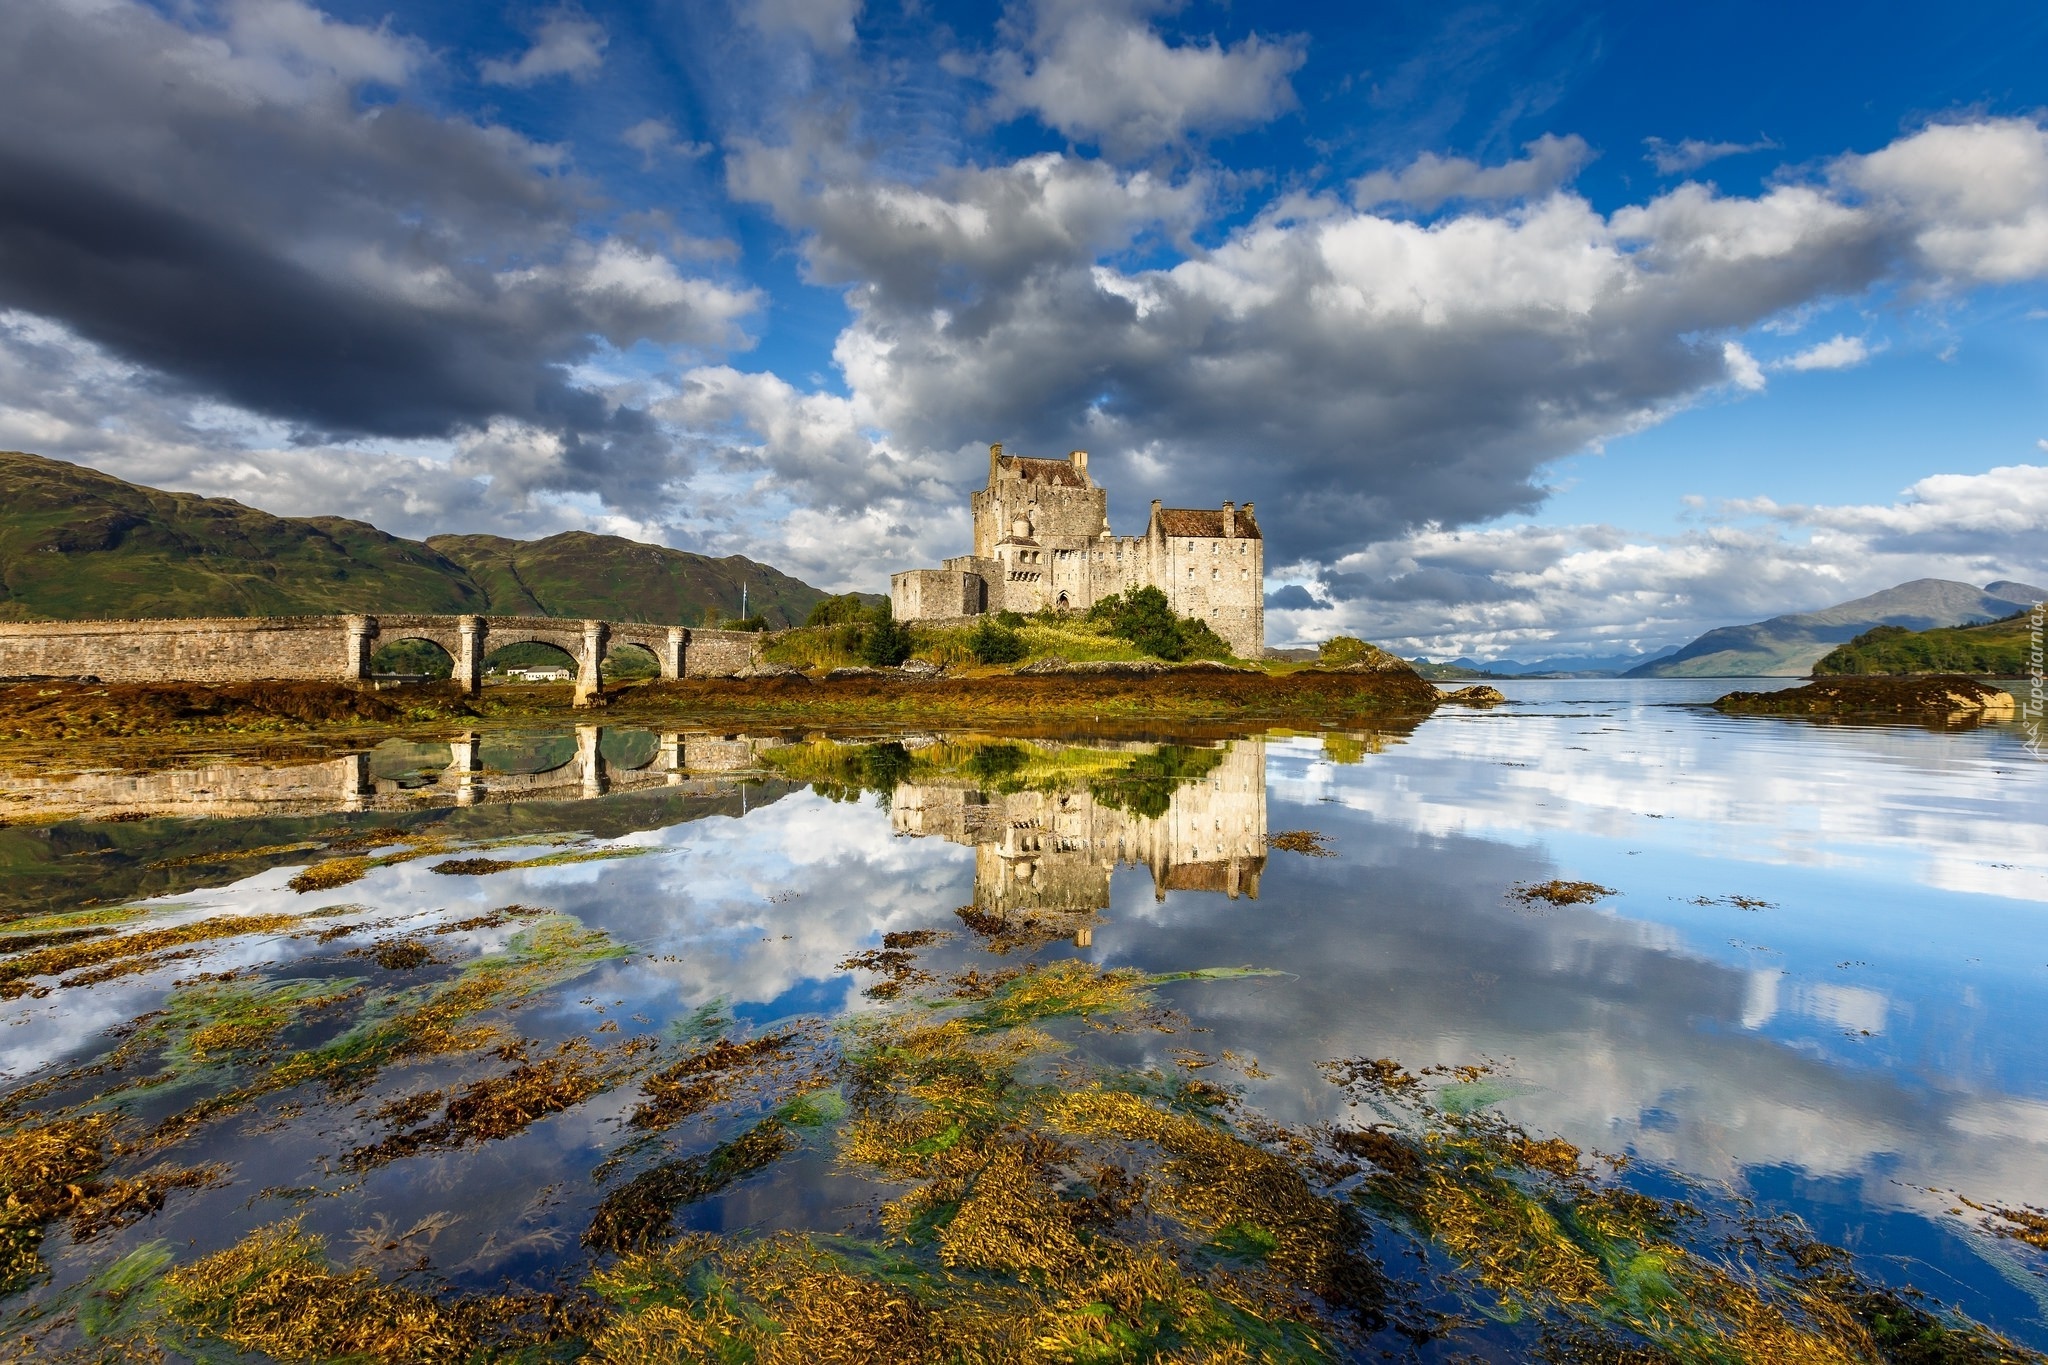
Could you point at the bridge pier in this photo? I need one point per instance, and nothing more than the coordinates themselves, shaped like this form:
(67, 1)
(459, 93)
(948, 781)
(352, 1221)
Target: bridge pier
(356, 786)
(672, 653)
(589, 682)
(464, 762)
(469, 656)
(588, 737)
(355, 658)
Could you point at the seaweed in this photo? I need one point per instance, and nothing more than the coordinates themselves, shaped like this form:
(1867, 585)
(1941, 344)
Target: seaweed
(639, 1213)
(709, 1076)
(56, 1172)
(502, 1106)
(1555, 892)
(275, 1293)
(101, 958)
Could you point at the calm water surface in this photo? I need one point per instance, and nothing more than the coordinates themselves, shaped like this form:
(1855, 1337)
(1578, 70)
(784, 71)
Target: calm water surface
(1820, 981)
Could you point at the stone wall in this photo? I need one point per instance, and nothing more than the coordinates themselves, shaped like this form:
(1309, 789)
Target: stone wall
(922, 594)
(213, 651)
(721, 653)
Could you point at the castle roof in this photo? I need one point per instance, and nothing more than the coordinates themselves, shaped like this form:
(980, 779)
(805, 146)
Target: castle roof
(1198, 522)
(1056, 472)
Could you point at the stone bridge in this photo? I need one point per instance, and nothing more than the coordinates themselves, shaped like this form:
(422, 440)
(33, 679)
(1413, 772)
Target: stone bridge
(338, 648)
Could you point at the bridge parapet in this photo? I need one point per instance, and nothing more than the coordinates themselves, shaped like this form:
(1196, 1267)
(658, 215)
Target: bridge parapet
(338, 648)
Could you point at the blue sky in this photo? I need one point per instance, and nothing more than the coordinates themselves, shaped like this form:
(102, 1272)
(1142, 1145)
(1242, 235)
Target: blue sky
(1550, 328)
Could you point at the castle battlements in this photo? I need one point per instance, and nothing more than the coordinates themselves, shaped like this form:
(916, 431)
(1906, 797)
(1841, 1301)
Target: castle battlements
(1042, 539)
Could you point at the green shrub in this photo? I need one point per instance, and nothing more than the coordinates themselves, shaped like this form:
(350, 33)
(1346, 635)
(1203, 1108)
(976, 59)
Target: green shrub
(1012, 619)
(1343, 649)
(885, 644)
(995, 644)
(1145, 618)
(753, 623)
(837, 611)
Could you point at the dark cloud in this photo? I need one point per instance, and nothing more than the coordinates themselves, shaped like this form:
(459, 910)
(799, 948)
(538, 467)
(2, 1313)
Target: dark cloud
(232, 209)
(1293, 597)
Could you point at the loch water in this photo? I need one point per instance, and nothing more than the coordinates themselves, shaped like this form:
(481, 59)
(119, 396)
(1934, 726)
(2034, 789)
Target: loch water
(1812, 982)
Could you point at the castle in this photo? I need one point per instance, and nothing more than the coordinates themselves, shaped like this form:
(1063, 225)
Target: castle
(1042, 539)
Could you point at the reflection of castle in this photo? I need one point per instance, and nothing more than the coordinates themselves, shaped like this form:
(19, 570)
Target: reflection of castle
(1054, 851)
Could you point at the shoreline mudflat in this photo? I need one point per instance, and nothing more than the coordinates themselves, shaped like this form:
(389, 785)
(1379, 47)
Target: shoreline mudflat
(32, 712)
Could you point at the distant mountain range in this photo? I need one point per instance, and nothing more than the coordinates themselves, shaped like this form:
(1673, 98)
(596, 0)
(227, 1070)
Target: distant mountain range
(76, 544)
(1789, 646)
(1590, 666)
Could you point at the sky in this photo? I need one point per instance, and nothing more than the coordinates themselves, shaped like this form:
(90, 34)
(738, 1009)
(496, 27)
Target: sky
(1532, 329)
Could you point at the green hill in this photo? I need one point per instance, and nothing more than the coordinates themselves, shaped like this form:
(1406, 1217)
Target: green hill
(1993, 649)
(1789, 646)
(580, 574)
(76, 544)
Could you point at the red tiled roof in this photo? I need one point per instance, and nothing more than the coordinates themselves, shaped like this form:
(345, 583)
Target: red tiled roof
(1058, 472)
(1202, 521)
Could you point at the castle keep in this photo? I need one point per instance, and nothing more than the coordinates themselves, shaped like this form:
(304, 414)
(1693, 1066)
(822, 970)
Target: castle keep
(1042, 539)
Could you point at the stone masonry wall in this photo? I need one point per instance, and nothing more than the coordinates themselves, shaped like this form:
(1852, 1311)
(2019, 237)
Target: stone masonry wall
(720, 653)
(219, 651)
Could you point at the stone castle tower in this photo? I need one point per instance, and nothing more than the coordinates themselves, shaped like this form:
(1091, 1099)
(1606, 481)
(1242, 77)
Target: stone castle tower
(1042, 539)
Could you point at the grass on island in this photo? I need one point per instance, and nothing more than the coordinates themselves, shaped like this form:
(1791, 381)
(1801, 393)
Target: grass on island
(1991, 649)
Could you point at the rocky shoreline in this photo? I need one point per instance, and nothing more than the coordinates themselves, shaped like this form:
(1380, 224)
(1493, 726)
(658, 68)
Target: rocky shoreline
(1939, 696)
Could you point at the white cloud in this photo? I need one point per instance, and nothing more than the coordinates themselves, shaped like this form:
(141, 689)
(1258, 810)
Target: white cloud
(1098, 72)
(567, 43)
(1973, 197)
(1677, 158)
(1431, 180)
(656, 138)
(1743, 371)
(1836, 353)
(828, 24)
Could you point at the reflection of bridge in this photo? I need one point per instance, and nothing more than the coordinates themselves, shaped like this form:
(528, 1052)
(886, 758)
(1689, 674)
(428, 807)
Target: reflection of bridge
(461, 776)
(338, 648)
(1054, 851)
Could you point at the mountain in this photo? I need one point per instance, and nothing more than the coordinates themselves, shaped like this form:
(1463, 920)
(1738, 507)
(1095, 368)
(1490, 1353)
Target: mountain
(1789, 646)
(77, 544)
(1995, 649)
(1589, 666)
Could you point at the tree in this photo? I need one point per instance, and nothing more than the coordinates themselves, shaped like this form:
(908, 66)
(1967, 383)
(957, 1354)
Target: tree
(1145, 618)
(885, 644)
(844, 609)
(991, 643)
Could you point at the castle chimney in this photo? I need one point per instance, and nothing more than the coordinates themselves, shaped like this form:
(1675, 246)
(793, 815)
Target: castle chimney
(1247, 511)
(1079, 460)
(995, 460)
(1229, 520)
